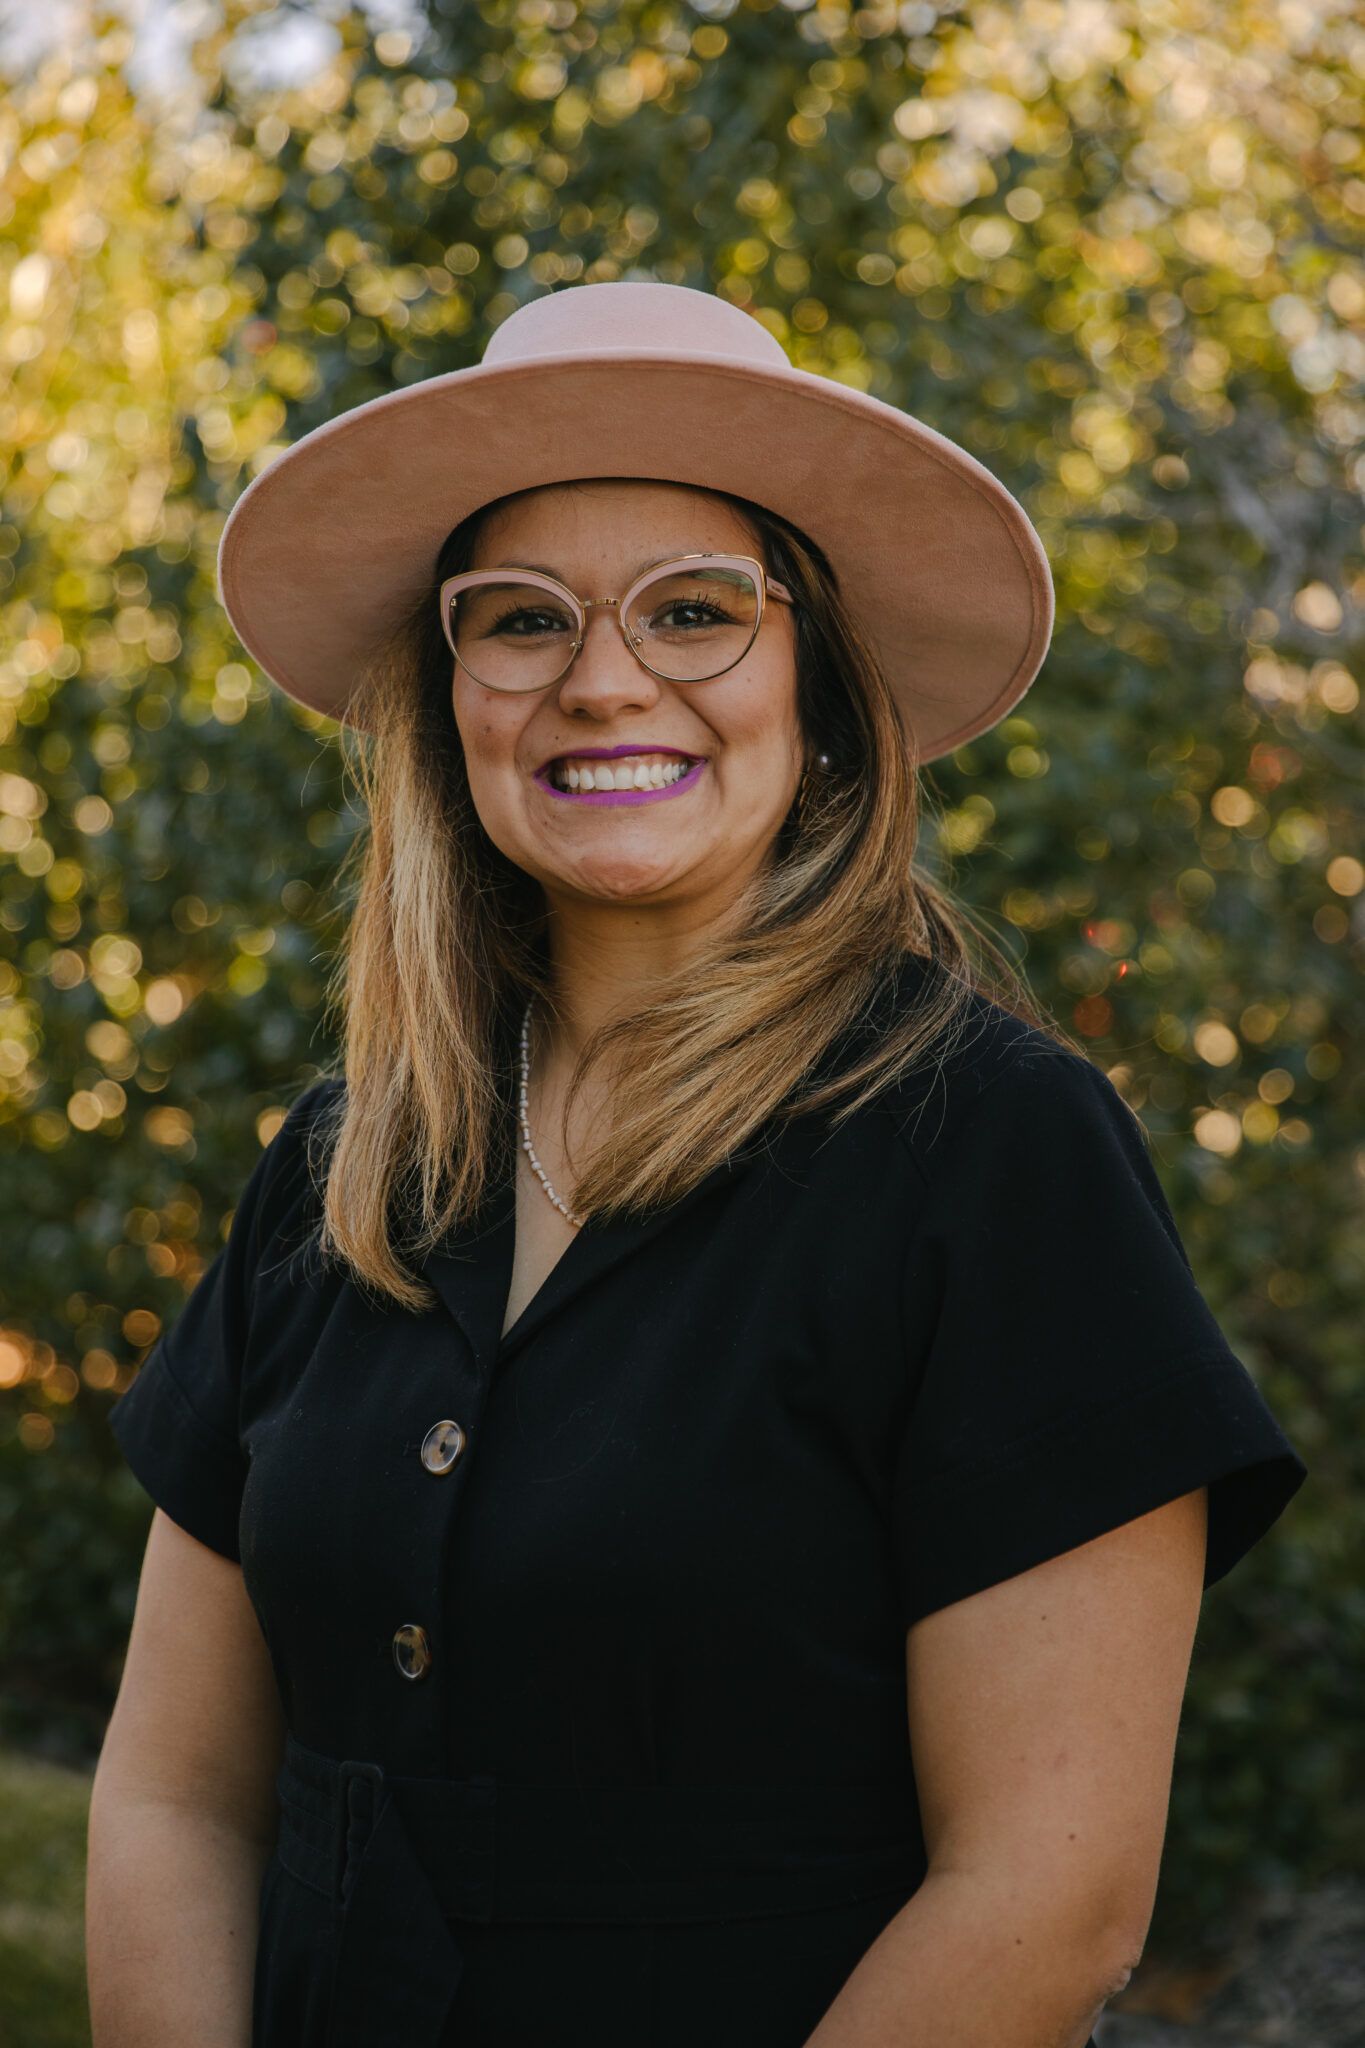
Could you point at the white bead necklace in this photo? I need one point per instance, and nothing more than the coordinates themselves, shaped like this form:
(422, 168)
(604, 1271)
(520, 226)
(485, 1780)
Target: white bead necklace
(527, 1147)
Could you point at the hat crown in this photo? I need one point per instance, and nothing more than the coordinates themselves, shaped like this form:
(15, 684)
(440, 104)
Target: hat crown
(640, 319)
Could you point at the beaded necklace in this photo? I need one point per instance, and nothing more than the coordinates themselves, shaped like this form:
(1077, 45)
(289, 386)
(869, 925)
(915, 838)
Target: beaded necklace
(527, 1147)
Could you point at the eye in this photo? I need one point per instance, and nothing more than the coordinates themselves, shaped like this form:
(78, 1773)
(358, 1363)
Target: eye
(529, 622)
(682, 614)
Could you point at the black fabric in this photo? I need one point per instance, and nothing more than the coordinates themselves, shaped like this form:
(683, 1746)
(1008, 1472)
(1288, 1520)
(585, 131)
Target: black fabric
(412, 1868)
(730, 1452)
(495, 1850)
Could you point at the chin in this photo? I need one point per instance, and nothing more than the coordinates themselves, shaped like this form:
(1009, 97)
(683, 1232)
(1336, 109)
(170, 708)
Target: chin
(614, 879)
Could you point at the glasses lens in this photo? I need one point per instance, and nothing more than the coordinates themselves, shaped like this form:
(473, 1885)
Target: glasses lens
(693, 623)
(513, 635)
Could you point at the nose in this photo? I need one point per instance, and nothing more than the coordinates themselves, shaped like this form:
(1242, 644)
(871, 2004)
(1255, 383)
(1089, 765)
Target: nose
(606, 678)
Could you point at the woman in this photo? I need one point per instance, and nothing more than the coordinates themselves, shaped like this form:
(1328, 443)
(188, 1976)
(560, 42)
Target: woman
(697, 1463)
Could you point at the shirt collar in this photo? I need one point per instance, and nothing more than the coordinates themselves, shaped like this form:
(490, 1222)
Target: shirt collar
(471, 1268)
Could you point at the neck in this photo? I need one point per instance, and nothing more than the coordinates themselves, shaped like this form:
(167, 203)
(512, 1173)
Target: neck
(607, 960)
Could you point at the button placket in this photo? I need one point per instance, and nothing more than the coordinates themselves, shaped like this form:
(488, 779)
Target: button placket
(439, 1451)
(442, 1448)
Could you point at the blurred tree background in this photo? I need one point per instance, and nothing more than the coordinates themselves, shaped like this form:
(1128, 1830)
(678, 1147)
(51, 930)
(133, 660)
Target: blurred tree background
(1114, 249)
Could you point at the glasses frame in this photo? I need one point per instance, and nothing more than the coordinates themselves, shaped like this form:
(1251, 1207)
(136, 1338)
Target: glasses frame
(765, 586)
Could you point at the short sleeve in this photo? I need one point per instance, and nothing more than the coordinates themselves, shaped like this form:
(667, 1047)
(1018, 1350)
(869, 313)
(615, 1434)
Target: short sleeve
(1068, 1375)
(178, 1425)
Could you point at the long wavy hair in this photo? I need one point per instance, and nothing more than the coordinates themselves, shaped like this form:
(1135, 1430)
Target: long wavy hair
(447, 942)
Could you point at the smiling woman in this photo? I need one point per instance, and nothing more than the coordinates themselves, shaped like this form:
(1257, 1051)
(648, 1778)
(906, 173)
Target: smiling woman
(695, 1468)
(733, 926)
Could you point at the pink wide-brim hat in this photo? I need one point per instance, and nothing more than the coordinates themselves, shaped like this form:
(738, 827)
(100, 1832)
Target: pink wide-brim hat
(333, 544)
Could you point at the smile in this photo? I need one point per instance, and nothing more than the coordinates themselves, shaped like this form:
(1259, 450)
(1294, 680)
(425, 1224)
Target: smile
(620, 775)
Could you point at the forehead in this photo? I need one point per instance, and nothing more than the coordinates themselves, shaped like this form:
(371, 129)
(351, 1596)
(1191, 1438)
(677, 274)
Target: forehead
(621, 521)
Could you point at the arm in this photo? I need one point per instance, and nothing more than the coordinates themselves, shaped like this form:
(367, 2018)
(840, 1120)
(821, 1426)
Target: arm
(183, 1814)
(1043, 1719)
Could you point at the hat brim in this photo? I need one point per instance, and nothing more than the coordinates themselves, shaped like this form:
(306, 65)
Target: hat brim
(338, 538)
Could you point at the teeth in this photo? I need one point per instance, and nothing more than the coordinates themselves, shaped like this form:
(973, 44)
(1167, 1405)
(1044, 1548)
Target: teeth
(606, 775)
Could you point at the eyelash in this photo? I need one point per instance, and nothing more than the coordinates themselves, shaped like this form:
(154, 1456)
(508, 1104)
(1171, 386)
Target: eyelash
(514, 611)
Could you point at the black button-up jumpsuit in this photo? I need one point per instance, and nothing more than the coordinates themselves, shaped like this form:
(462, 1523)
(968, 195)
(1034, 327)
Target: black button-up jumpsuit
(591, 1639)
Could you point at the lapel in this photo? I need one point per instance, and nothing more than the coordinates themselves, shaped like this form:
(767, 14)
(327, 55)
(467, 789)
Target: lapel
(471, 1272)
(471, 1269)
(601, 1245)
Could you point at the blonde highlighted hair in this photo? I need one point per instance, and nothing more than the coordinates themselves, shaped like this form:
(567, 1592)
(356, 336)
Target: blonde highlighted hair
(447, 942)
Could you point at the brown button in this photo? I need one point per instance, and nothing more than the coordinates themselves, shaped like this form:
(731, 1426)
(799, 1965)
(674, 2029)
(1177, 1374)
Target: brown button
(411, 1651)
(442, 1447)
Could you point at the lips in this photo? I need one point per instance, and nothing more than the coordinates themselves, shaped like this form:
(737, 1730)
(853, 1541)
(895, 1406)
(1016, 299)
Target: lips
(619, 775)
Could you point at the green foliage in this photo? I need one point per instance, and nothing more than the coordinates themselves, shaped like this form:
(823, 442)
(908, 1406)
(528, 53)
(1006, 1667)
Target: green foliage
(42, 1891)
(1116, 253)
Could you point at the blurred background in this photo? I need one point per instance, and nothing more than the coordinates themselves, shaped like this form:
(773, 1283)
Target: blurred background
(1115, 250)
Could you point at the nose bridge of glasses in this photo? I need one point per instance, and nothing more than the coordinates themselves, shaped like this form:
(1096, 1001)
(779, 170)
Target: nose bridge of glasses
(587, 605)
(590, 604)
(631, 638)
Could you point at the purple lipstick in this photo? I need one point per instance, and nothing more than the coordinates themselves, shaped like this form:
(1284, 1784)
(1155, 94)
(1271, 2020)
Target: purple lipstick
(603, 797)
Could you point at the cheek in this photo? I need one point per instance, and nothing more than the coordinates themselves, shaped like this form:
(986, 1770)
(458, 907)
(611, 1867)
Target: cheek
(489, 740)
(491, 764)
(761, 718)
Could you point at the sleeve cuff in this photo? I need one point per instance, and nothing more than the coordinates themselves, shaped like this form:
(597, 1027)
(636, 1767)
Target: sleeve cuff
(191, 1471)
(1206, 1424)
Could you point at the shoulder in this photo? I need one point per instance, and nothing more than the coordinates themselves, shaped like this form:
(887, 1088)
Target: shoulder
(282, 1198)
(310, 1123)
(994, 1081)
